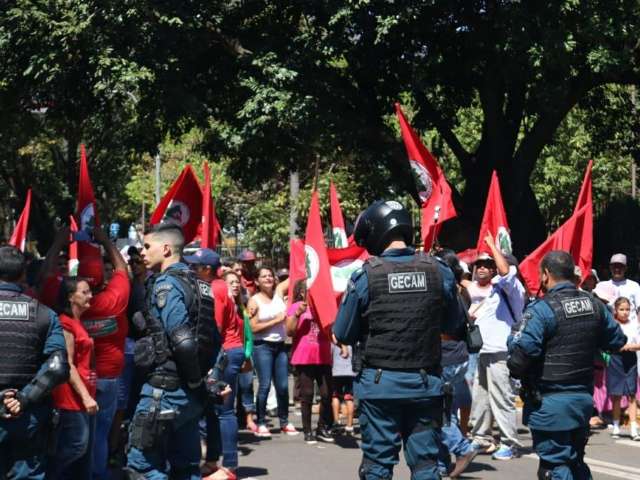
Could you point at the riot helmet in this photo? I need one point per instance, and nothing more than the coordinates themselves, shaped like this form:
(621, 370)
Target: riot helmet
(379, 223)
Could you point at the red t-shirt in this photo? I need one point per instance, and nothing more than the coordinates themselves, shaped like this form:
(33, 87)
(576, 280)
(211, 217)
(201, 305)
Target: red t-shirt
(249, 284)
(230, 324)
(49, 291)
(64, 396)
(106, 322)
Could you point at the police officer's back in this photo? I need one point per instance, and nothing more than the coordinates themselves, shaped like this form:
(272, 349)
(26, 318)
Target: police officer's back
(553, 355)
(178, 349)
(33, 362)
(394, 310)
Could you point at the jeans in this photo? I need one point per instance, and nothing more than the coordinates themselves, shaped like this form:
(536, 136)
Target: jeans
(453, 440)
(107, 400)
(271, 363)
(74, 450)
(562, 453)
(23, 444)
(226, 411)
(245, 389)
(179, 444)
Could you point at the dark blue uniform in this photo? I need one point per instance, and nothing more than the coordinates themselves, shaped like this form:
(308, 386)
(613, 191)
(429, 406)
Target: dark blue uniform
(22, 449)
(560, 422)
(180, 446)
(394, 405)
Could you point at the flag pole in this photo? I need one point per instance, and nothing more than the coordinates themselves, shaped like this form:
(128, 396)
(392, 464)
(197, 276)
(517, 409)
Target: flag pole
(315, 176)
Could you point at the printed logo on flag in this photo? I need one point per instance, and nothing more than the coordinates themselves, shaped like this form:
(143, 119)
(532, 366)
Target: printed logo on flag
(339, 238)
(341, 273)
(312, 264)
(87, 224)
(422, 179)
(504, 241)
(177, 212)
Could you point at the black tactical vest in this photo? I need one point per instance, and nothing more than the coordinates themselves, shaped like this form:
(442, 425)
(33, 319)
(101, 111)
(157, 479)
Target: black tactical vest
(200, 305)
(404, 315)
(23, 331)
(569, 354)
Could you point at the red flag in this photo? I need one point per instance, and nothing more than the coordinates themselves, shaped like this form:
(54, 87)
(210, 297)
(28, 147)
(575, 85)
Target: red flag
(86, 212)
(345, 261)
(73, 248)
(317, 266)
(210, 225)
(297, 265)
(337, 221)
(574, 236)
(494, 220)
(182, 204)
(434, 191)
(19, 236)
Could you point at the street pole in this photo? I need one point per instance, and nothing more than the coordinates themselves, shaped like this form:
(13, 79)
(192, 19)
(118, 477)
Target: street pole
(157, 178)
(634, 177)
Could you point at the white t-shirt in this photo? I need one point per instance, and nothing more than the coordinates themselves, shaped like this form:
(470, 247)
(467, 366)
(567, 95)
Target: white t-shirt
(629, 289)
(269, 311)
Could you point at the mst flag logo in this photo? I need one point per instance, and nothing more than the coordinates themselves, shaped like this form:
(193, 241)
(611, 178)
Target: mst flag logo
(177, 212)
(312, 264)
(422, 179)
(504, 241)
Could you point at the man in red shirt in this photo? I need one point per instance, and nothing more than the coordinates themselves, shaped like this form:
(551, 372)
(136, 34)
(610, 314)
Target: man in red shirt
(206, 263)
(248, 259)
(106, 322)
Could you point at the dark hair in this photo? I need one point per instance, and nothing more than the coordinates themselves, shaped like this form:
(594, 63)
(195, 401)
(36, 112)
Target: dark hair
(619, 301)
(228, 261)
(269, 269)
(169, 231)
(559, 264)
(69, 285)
(449, 257)
(230, 272)
(33, 272)
(299, 289)
(12, 264)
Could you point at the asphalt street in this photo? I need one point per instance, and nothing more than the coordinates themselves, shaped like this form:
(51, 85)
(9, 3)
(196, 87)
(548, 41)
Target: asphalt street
(287, 457)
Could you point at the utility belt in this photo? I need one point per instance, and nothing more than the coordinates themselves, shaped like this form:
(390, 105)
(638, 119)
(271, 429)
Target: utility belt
(150, 428)
(167, 382)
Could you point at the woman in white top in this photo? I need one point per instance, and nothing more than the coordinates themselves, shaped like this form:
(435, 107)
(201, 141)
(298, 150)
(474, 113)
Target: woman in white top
(267, 310)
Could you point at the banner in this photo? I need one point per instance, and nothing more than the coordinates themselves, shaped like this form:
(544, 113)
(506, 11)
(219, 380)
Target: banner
(19, 236)
(86, 211)
(494, 220)
(210, 225)
(345, 261)
(337, 220)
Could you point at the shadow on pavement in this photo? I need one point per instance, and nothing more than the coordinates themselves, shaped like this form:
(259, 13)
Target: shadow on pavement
(346, 442)
(244, 472)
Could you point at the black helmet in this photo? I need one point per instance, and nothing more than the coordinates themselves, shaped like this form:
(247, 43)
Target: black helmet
(381, 221)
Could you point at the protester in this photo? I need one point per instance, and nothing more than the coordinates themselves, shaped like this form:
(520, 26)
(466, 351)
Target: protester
(493, 394)
(249, 272)
(75, 399)
(342, 383)
(267, 311)
(622, 286)
(622, 371)
(311, 357)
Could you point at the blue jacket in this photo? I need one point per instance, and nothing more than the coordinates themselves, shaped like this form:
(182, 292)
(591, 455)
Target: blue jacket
(563, 407)
(348, 327)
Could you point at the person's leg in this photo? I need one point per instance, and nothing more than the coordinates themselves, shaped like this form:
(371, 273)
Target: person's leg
(245, 388)
(380, 424)
(27, 444)
(184, 452)
(502, 400)
(557, 454)
(335, 407)
(481, 411)
(281, 382)
(305, 393)
(420, 435)
(81, 468)
(226, 413)
(263, 362)
(72, 442)
(323, 379)
(452, 437)
(579, 439)
(106, 398)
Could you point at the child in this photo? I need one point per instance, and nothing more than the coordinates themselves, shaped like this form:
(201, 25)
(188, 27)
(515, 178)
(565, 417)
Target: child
(622, 370)
(342, 383)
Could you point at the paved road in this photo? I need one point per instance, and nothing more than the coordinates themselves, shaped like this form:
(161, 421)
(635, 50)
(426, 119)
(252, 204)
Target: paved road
(284, 457)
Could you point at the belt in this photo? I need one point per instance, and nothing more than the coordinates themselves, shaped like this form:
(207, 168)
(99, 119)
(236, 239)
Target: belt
(445, 337)
(164, 382)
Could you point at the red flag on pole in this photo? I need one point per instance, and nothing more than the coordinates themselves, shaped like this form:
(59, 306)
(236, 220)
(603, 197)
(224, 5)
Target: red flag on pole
(182, 204)
(337, 220)
(433, 189)
(494, 220)
(345, 261)
(317, 266)
(73, 248)
(210, 225)
(297, 265)
(574, 236)
(86, 212)
(19, 236)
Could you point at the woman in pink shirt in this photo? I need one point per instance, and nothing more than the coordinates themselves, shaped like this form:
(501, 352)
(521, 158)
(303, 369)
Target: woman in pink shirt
(311, 356)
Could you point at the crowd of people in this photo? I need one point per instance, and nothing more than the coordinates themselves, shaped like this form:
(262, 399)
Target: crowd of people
(267, 330)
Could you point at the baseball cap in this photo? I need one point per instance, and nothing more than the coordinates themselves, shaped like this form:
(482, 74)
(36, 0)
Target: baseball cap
(204, 256)
(484, 257)
(618, 258)
(247, 256)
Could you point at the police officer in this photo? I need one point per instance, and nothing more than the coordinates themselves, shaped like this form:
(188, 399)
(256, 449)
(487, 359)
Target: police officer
(552, 353)
(33, 362)
(394, 311)
(179, 348)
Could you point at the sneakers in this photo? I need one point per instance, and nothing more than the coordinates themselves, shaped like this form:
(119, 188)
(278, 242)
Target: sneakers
(289, 429)
(323, 434)
(615, 433)
(634, 432)
(263, 432)
(348, 430)
(504, 453)
(484, 447)
(462, 463)
(310, 438)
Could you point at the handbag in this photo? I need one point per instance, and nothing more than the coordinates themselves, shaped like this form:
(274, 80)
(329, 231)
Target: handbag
(473, 338)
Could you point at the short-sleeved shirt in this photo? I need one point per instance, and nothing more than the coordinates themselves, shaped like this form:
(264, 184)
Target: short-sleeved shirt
(310, 345)
(64, 396)
(628, 289)
(229, 322)
(106, 322)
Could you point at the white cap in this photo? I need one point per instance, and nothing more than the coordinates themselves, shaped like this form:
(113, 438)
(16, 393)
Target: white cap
(618, 258)
(465, 267)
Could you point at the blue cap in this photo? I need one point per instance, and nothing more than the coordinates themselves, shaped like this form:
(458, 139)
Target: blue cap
(204, 256)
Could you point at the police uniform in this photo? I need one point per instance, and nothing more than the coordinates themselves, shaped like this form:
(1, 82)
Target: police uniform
(401, 302)
(553, 353)
(33, 362)
(165, 423)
